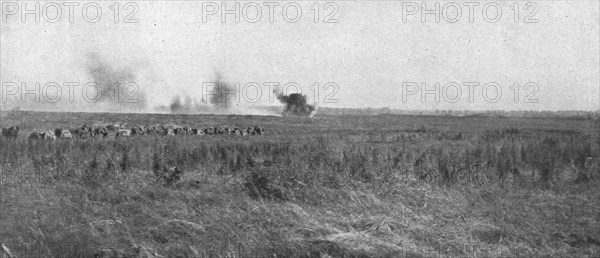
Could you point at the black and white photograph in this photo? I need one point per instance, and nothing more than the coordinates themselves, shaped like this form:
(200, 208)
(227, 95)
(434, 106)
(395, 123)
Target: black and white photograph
(300, 128)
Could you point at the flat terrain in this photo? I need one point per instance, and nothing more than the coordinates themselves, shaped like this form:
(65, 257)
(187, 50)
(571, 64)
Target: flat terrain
(306, 126)
(330, 186)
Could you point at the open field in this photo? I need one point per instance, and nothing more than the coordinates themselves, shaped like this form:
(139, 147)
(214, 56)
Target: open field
(331, 186)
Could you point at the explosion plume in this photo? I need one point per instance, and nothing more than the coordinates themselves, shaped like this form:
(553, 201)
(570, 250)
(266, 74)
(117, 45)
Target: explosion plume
(116, 87)
(220, 99)
(296, 104)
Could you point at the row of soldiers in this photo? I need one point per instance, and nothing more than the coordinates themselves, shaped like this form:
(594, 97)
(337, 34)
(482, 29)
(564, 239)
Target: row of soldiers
(171, 130)
(97, 130)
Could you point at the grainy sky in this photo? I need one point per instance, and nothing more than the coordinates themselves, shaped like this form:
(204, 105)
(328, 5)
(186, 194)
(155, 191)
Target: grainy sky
(371, 54)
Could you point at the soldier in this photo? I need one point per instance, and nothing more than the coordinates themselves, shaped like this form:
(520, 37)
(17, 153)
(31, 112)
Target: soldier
(42, 135)
(98, 130)
(66, 134)
(188, 130)
(210, 130)
(123, 133)
(82, 132)
(113, 127)
(57, 132)
(35, 135)
(170, 132)
(259, 130)
(62, 133)
(153, 129)
(138, 130)
(48, 135)
(179, 130)
(237, 131)
(175, 128)
(101, 131)
(11, 132)
(197, 131)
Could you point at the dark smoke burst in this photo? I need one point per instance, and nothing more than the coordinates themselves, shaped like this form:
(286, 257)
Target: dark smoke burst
(296, 105)
(221, 98)
(118, 87)
(176, 105)
(189, 106)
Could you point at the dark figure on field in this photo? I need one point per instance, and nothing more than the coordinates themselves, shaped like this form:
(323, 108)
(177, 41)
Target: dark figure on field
(154, 129)
(123, 133)
(57, 132)
(138, 130)
(66, 134)
(175, 128)
(188, 130)
(237, 131)
(11, 132)
(113, 127)
(48, 135)
(210, 130)
(82, 132)
(63, 133)
(169, 132)
(179, 130)
(259, 130)
(99, 130)
(35, 135)
(197, 131)
(42, 135)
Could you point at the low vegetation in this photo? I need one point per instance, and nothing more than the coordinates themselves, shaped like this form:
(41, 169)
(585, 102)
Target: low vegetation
(339, 187)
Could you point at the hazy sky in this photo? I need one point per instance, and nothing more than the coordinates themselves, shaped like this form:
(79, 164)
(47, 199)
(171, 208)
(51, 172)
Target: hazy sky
(368, 54)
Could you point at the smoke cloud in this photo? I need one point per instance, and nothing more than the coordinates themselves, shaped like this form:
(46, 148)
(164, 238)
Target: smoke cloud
(102, 88)
(176, 105)
(220, 102)
(188, 106)
(295, 104)
(220, 99)
(118, 88)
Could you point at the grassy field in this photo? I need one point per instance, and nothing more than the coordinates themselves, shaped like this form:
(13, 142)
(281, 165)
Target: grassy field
(331, 186)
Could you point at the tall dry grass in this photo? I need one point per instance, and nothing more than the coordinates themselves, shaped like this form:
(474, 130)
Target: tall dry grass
(415, 193)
